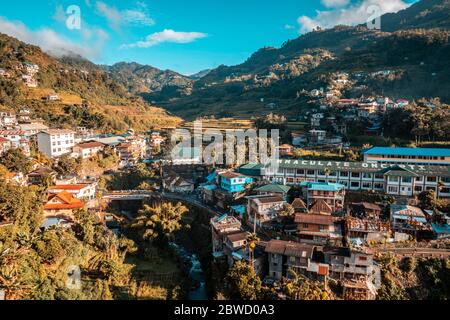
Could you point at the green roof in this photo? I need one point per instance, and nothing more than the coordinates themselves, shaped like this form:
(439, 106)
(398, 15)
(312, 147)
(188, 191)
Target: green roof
(276, 188)
(322, 186)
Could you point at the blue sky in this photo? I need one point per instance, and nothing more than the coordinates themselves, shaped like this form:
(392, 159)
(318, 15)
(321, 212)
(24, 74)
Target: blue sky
(183, 35)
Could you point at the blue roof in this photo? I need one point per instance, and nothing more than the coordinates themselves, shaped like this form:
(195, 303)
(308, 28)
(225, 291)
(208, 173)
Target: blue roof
(441, 228)
(432, 152)
(322, 186)
(222, 217)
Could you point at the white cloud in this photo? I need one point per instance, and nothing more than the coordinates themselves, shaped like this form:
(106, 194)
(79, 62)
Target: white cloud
(353, 14)
(52, 42)
(289, 27)
(335, 3)
(116, 18)
(167, 35)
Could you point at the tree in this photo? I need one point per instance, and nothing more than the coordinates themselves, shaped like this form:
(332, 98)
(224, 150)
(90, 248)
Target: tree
(160, 222)
(243, 282)
(301, 288)
(67, 165)
(16, 161)
(252, 241)
(427, 199)
(287, 211)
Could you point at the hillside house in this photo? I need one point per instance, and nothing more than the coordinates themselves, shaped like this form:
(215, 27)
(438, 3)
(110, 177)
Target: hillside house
(332, 194)
(261, 209)
(62, 204)
(88, 149)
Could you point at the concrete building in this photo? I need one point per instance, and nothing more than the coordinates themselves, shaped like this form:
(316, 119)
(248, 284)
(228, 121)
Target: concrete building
(419, 156)
(56, 142)
(396, 180)
(332, 193)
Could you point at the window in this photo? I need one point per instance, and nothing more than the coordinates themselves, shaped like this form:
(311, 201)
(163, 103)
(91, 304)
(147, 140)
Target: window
(305, 225)
(431, 179)
(393, 189)
(445, 190)
(300, 171)
(310, 172)
(379, 176)
(343, 174)
(367, 175)
(367, 185)
(418, 188)
(356, 174)
(393, 179)
(362, 258)
(407, 179)
(355, 184)
(378, 186)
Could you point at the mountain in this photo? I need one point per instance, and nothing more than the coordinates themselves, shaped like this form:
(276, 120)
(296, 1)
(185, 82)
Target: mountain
(89, 96)
(199, 75)
(423, 14)
(139, 78)
(410, 45)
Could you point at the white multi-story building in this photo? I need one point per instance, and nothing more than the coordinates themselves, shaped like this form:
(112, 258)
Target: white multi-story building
(56, 142)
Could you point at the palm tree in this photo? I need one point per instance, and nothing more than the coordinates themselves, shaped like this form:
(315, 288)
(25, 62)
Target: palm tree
(252, 241)
(161, 221)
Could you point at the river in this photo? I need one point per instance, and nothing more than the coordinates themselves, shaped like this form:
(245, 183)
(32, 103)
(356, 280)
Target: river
(196, 274)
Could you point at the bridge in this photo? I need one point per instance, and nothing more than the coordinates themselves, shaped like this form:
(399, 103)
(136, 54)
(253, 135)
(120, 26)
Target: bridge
(124, 195)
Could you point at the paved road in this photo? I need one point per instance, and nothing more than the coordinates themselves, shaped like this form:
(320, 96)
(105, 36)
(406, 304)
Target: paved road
(416, 252)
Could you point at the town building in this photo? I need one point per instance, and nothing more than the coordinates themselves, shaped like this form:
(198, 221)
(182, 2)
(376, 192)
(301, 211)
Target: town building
(417, 156)
(220, 227)
(173, 182)
(284, 256)
(62, 205)
(31, 129)
(86, 150)
(348, 264)
(315, 228)
(262, 209)
(331, 193)
(41, 175)
(407, 219)
(395, 180)
(273, 190)
(361, 231)
(5, 145)
(17, 140)
(83, 191)
(56, 142)
(233, 182)
(365, 210)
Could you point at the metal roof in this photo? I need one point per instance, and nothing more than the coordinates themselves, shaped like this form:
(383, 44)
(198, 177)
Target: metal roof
(431, 152)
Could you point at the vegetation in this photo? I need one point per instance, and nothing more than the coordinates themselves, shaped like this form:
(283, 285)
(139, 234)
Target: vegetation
(159, 223)
(242, 282)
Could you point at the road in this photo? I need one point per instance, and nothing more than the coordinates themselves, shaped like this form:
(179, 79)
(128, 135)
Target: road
(415, 252)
